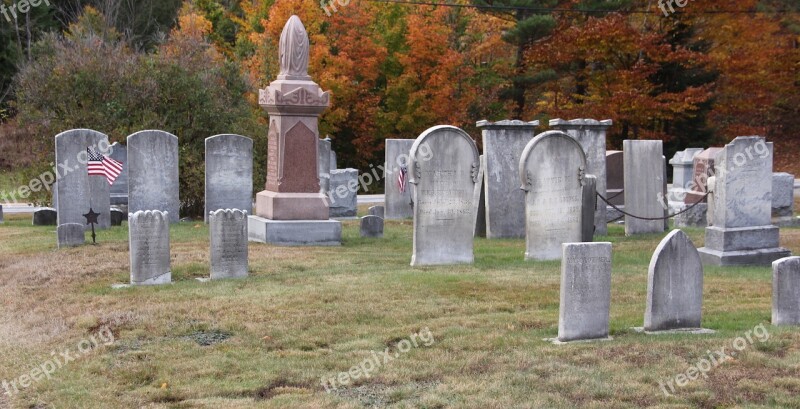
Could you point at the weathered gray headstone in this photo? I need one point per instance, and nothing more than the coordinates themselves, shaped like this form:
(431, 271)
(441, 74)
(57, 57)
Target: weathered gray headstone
(324, 165)
(229, 173)
(585, 304)
(371, 226)
(552, 172)
(47, 216)
(117, 216)
(71, 235)
(782, 195)
(615, 179)
(398, 197)
(591, 134)
(344, 193)
(682, 173)
(148, 237)
(674, 285)
(503, 143)
(645, 178)
(153, 173)
(1, 214)
(77, 191)
(786, 291)
(479, 202)
(334, 161)
(377, 211)
(694, 217)
(228, 229)
(444, 169)
(742, 231)
(119, 190)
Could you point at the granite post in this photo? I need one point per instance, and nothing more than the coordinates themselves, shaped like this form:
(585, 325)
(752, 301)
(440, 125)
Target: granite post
(503, 143)
(591, 134)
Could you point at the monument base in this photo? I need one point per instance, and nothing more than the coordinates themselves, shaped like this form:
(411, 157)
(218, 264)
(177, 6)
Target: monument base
(742, 246)
(295, 232)
(292, 206)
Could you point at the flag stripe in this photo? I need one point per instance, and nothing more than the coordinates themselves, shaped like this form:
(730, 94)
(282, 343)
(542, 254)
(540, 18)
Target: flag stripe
(101, 165)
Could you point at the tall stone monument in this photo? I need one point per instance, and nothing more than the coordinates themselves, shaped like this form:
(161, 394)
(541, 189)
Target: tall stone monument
(743, 233)
(559, 197)
(444, 170)
(503, 143)
(591, 134)
(292, 210)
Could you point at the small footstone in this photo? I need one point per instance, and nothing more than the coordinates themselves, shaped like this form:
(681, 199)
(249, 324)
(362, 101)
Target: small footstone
(786, 291)
(376, 211)
(371, 226)
(71, 235)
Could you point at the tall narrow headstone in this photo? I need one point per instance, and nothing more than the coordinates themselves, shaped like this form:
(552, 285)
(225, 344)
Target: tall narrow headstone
(552, 169)
(228, 229)
(444, 169)
(77, 191)
(783, 199)
(615, 179)
(674, 285)
(148, 237)
(503, 143)
(645, 182)
(153, 173)
(229, 173)
(324, 165)
(119, 190)
(479, 201)
(585, 304)
(396, 176)
(742, 231)
(71, 235)
(292, 210)
(591, 134)
(786, 291)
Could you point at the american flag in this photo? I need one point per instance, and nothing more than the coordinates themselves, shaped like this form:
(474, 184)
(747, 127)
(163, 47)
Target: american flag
(401, 178)
(101, 165)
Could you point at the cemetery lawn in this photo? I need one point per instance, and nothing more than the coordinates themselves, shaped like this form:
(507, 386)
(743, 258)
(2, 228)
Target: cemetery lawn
(308, 313)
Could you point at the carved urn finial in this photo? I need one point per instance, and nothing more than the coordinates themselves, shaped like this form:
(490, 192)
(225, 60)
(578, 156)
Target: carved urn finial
(294, 51)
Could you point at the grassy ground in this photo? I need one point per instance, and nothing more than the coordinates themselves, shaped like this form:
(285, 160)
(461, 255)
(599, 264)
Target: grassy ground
(308, 313)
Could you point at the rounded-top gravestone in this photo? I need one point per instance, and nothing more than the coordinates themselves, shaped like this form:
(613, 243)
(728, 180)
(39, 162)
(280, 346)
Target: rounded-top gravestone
(229, 173)
(77, 192)
(153, 173)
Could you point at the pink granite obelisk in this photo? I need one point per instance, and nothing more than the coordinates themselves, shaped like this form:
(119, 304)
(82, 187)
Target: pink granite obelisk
(294, 103)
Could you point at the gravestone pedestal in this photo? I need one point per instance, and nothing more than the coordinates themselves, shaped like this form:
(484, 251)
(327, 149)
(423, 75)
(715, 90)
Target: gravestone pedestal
(742, 233)
(292, 210)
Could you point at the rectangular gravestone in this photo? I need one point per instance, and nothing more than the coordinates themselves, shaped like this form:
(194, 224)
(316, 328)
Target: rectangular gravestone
(444, 168)
(77, 191)
(344, 193)
(229, 173)
(615, 179)
(783, 199)
(46, 216)
(702, 169)
(742, 231)
(645, 182)
(674, 285)
(585, 303)
(153, 173)
(503, 143)
(398, 192)
(682, 173)
(324, 165)
(70, 235)
(786, 291)
(372, 226)
(119, 190)
(228, 229)
(148, 237)
(591, 134)
(479, 201)
(551, 171)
